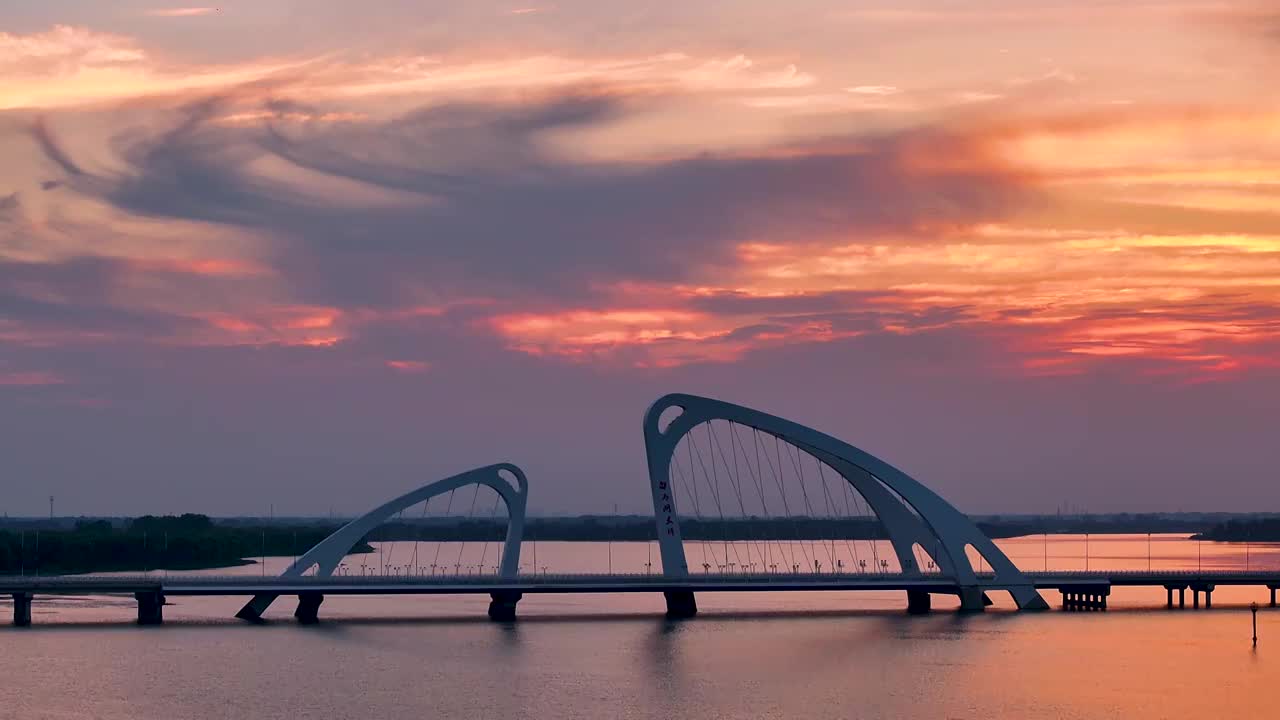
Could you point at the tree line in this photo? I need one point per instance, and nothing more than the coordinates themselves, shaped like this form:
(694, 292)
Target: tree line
(185, 542)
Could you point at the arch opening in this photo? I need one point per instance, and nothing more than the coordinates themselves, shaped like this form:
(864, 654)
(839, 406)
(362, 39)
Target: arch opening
(752, 502)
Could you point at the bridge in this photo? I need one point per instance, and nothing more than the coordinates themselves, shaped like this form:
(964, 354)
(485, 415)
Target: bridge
(1079, 590)
(702, 454)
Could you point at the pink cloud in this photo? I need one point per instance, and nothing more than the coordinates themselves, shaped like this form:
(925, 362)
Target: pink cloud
(183, 11)
(409, 366)
(32, 378)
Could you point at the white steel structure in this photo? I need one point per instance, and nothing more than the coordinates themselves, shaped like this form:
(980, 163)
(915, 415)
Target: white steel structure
(911, 514)
(506, 479)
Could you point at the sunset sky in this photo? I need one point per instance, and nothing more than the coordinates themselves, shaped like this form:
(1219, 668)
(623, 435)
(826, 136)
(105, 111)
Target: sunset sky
(312, 254)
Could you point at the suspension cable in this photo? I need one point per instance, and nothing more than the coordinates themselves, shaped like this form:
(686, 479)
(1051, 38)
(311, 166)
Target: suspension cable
(844, 502)
(786, 505)
(715, 495)
(757, 484)
(737, 489)
(492, 514)
(436, 560)
(693, 497)
(470, 513)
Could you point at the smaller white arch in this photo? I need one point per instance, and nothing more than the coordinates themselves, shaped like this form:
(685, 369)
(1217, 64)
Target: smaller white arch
(327, 554)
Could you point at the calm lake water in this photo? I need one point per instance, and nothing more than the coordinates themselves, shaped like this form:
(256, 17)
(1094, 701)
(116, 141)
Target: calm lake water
(760, 655)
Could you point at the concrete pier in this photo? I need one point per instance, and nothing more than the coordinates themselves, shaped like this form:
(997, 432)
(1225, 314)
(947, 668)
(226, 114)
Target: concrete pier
(150, 607)
(1273, 589)
(1182, 595)
(919, 602)
(502, 605)
(308, 611)
(680, 604)
(22, 609)
(1202, 587)
(1086, 598)
(972, 599)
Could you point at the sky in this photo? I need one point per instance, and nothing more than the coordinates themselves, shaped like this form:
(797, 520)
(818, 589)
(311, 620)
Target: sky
(310, 255)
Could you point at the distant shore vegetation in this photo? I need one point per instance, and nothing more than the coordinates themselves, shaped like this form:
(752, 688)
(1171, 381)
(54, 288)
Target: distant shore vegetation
(186, 542)
(194, 542)
(1243, 530)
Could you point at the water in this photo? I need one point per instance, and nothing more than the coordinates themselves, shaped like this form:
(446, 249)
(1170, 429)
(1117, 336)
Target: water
(758, 655)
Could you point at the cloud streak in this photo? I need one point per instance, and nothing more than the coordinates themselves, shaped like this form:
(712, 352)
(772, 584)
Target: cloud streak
(182, 12)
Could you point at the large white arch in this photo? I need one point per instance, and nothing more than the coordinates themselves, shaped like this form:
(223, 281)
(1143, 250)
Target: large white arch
(910, 512)
(327, 554)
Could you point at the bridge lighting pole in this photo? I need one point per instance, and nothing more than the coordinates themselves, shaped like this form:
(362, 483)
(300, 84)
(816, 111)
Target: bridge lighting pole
(1086, 552)
(1148, 552)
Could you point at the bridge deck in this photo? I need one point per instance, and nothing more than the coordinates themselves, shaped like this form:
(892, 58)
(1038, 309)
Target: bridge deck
(599, 583)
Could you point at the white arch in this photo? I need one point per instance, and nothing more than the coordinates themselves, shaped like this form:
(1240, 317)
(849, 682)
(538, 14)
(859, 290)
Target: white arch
(891, 493)
(328, 553)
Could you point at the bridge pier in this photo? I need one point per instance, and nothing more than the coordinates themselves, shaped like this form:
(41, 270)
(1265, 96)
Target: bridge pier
(1086, 597)
(1202, 587)
(919, 602)
(972, 599)
(1273, 588)
(681, 604)
(22, 609)
(308, 611)
(150, 607)
(502, 605)
(1182, 596)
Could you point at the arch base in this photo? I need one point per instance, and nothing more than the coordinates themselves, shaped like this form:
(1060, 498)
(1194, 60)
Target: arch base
(1028, 598)
(253, 610)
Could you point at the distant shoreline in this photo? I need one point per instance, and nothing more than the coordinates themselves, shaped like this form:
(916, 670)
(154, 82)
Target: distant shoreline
(189, 542)
(196, 542)
(1243, 530)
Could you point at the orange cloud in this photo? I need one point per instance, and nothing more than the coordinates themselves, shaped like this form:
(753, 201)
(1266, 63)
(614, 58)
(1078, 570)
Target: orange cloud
(409, 366)
(303, 326)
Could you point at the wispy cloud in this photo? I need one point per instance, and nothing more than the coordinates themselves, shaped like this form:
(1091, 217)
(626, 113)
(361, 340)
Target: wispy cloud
(72, 66)
(30, 378)
(874, 90)
(183, 11)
